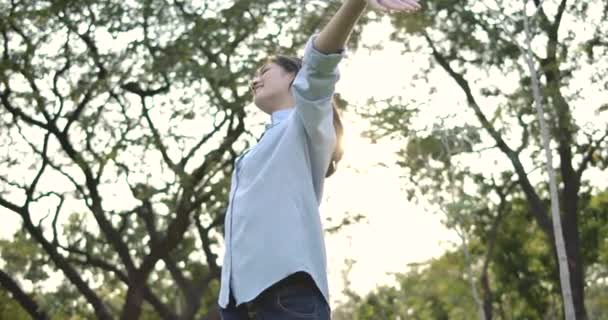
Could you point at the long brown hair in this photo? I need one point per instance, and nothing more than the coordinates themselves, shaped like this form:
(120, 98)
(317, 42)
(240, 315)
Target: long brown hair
(293, 65)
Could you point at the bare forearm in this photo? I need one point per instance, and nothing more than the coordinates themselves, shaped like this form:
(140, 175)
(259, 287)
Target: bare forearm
(334, 35)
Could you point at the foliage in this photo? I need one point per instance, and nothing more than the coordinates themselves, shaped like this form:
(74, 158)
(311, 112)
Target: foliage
(521, 272)
(491, 152)
(120, 125)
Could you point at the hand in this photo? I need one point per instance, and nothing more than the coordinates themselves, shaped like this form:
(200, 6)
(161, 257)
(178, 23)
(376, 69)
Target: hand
(394, 5)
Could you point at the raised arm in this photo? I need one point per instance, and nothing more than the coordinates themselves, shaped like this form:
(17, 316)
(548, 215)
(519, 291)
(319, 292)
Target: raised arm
(335, 34)
(314, 84)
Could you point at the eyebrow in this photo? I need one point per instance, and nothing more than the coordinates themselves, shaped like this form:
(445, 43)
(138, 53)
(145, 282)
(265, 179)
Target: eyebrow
(261, 68)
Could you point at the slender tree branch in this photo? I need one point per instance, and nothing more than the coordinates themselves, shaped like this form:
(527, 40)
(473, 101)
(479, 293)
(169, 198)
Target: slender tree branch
(525, 136)
(17, 112)
(59, 74)
(216, 128)
(55, 241)
(31, 189)
(203, 234)
(158, 140)
(589, 155)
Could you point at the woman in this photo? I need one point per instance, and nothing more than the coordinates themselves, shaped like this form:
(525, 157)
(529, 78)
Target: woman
(274, 263)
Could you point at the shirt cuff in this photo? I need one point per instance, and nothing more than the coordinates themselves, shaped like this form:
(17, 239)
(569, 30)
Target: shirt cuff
(319, 61)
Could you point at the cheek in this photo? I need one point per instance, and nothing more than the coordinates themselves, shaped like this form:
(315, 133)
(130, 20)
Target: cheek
(273, 84)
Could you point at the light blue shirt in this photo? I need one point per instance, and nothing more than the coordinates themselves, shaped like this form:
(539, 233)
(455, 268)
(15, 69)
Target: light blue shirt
(273, 225)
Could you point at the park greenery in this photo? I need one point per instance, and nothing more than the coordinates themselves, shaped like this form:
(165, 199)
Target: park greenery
(120, 122)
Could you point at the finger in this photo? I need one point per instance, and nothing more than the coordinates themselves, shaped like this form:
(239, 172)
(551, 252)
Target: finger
(392, 4)
(402, 5)
(379, 5)
(411, 4)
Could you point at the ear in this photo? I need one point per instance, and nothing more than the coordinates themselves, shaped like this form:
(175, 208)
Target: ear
(291, 76)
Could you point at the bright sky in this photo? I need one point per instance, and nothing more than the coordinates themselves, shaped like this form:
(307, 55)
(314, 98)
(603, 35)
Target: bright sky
(394, 232)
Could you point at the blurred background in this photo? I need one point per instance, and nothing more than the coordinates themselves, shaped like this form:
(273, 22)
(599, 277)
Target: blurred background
(120, 122)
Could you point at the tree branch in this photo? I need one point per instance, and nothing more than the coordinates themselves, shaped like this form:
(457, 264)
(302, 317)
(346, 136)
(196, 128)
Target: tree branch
(30, 190)
(539, 211)
(558, 16)
(100, 309)
(203, 234)
(95, 206)
(204, 139)
(149, 296)
(589, 156)
(26, 302)
(17, 112)
(157, 139)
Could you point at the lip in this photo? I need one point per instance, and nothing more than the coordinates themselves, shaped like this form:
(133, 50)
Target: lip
(255, 89)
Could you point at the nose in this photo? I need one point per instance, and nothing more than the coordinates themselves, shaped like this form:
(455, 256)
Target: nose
(254, 83)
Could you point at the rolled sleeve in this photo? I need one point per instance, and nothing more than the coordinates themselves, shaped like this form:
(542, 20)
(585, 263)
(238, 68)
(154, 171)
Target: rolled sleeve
(313, 88)
(321, 62)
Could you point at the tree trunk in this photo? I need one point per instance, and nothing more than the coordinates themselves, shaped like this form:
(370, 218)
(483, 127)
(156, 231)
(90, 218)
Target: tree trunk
(487, 296)
(571, 236)
(135, 294)
(560, 244)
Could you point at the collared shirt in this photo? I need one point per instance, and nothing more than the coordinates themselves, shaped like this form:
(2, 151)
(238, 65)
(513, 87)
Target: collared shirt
(273, 224)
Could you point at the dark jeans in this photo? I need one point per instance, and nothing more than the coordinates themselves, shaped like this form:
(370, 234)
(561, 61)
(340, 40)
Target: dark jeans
(295, 297)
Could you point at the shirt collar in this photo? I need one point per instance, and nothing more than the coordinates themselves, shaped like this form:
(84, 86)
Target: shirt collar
(278, 116)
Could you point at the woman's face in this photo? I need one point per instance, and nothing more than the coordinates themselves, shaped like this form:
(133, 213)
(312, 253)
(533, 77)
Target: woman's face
(270, 86)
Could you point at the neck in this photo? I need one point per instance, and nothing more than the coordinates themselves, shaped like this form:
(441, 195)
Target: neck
(280, 104)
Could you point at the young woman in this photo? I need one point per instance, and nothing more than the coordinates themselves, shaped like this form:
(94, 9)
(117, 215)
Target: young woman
(275, 264)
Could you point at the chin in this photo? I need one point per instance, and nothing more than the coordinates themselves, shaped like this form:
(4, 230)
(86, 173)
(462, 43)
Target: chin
(259, 102)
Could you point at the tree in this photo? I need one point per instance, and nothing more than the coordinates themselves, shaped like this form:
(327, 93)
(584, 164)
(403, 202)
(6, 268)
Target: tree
(521, 270)
(120, 125)
(10, 309)
(472, 46)
(433, 290)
